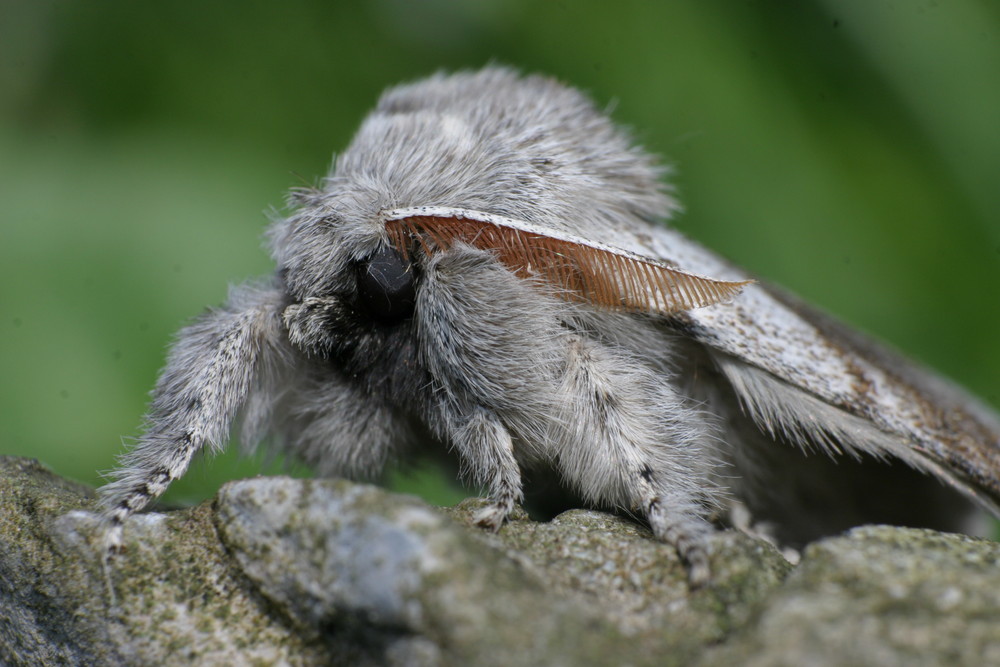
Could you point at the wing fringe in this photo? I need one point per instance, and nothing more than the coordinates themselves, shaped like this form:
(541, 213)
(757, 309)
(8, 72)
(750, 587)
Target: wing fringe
(783, 411)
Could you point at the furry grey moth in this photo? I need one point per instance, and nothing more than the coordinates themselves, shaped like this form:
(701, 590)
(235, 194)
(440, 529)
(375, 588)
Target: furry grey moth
(485, 268)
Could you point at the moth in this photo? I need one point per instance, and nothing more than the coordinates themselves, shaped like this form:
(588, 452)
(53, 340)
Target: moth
(486, 268)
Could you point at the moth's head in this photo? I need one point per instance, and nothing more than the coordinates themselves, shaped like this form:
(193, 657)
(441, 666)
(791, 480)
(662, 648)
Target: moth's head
(352, 294)
(338, 246)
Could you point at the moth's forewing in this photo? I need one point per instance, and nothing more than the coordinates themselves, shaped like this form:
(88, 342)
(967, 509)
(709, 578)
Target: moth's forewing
(917, 415)
(945, 423)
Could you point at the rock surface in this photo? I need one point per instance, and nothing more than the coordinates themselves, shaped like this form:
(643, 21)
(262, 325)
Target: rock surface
(315, 572)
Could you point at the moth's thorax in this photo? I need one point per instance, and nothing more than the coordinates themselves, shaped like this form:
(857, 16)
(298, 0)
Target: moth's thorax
(539, 152)
(527, 149)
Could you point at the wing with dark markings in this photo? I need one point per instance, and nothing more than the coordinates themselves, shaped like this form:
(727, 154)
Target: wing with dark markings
(800, 372)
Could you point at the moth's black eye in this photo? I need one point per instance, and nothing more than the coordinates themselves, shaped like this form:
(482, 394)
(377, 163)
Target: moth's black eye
(387, 286)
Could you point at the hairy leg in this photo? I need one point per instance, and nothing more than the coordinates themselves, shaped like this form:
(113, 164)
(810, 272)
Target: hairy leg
(514, 383)
(491, 345)
(487, 452)
(633, 441)
(211, 368)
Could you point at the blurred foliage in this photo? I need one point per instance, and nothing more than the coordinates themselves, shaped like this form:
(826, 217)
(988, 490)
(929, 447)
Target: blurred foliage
(848, 149)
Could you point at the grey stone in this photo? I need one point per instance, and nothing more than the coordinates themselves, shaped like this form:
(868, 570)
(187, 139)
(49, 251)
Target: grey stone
(315, 572)
(880, 595)
(176, 597)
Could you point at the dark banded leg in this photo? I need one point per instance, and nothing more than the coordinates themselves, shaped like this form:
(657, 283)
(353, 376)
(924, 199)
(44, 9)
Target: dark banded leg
(210, 371)
(135, 498)
(487, 453)
(688, 537)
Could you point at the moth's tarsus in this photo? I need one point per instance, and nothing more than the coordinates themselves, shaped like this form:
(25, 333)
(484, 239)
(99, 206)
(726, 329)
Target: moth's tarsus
(515, 303)
(699, 570)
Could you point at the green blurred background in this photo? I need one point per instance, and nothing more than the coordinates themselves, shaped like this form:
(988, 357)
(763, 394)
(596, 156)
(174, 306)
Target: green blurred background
(848, 149)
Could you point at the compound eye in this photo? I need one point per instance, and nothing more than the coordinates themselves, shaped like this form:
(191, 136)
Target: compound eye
(387, 286)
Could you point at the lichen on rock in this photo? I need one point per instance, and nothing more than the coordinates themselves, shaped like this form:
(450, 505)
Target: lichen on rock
(312, 572)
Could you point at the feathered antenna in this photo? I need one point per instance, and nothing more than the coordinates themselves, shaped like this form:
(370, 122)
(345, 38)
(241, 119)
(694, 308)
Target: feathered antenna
(584, 270)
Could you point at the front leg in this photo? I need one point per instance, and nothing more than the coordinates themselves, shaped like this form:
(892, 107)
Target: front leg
(210, 371)
(493, 346)
(487, 453)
